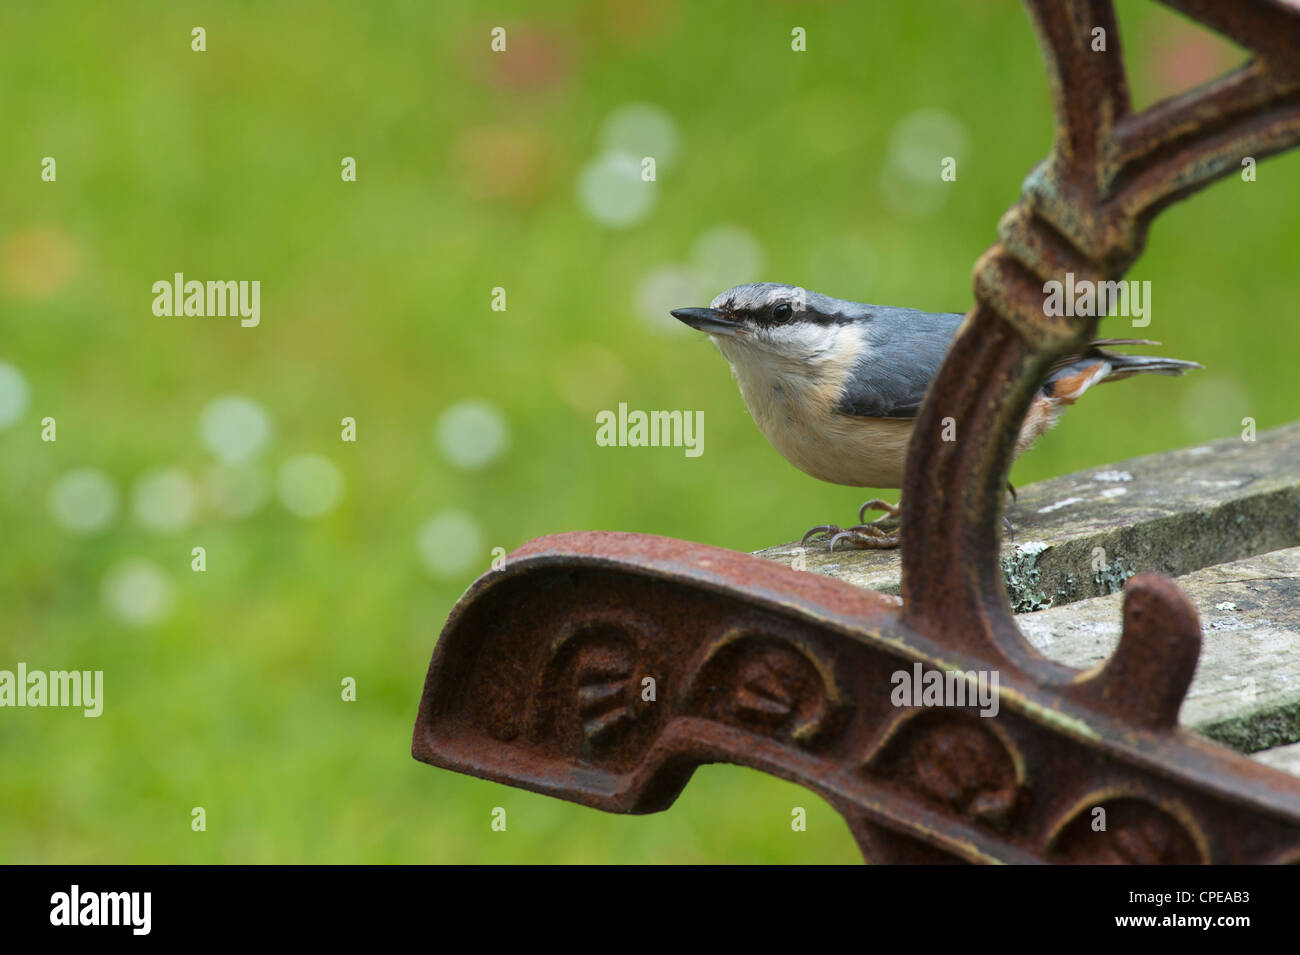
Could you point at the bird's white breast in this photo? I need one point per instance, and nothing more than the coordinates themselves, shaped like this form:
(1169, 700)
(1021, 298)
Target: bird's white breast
(792, 396)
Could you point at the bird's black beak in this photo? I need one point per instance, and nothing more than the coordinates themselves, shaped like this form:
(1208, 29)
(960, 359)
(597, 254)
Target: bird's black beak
(709, 320)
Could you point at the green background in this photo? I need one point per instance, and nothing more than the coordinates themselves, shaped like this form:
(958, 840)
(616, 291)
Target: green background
(375, 304)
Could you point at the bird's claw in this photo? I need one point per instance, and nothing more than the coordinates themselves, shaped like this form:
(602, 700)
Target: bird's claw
(828, 529)
(867, 537)
(840, 536)
(891, 510)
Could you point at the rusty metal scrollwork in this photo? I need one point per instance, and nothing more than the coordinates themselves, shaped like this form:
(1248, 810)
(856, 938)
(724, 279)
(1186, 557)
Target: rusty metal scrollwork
(603, 668)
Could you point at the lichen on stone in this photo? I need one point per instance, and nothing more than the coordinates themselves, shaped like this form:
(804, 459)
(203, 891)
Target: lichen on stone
(1020, 570)
(1113, 576)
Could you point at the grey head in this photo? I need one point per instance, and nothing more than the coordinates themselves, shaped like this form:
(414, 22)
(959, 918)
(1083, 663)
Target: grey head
(881, 357)
(774, 318)
(750, 310)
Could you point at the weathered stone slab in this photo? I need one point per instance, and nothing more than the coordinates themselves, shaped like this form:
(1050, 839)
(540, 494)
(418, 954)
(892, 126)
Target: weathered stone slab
(1246, 693)
(1086, 533)
(1285, 758)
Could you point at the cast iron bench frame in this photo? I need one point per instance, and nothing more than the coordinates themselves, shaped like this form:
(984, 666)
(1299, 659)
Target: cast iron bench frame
(542, 676)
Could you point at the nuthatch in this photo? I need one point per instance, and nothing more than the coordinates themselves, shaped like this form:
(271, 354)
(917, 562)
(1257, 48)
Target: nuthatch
(836, 385)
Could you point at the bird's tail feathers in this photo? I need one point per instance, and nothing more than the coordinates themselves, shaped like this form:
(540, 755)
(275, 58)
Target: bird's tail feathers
(1126, 366)
(1071, 377)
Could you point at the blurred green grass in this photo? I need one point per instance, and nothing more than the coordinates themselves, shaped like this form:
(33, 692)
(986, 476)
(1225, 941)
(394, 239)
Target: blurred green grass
(375, 304)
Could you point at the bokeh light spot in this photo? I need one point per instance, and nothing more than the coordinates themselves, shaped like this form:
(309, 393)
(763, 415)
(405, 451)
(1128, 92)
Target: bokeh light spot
(163, 501)
(472, 434)
(725, 256)
(669, 287)
(640, 130)
(84, 501)
(911, 183)
(234, 428)
(13, 395)
(137, 592)
(611, 191)
(310, 485)
(450, 543)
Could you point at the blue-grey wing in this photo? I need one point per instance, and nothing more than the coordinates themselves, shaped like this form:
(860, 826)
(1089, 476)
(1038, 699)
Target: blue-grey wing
(902, 351)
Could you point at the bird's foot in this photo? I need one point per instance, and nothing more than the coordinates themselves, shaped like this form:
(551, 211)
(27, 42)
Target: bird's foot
(867, 535)
(862, 537)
